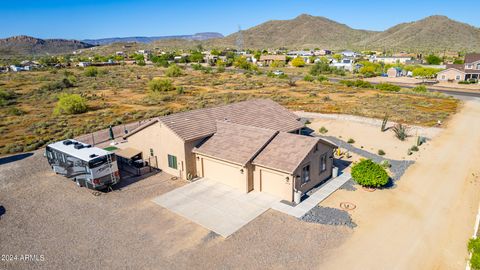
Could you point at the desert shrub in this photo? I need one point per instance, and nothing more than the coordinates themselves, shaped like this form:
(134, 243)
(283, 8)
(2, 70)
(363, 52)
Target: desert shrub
(180, 90)
(414, 148)
(312, 94)
(197, 67)
(91, 72)
(322, 78)
(388, 87)
(356, 83)
(70, 104)
(420, 89)
(7, 97)
(401, 131)
(298, 62)
(291, 82)
(323, 130)
(15, 111)
(381, 152)
(173, 71)
(385, 164)
(369, 174)
(308, 78)
(160, 85)
(384, 123)
(320, 68)
(327, 98)
(474, 248)
(351, 140)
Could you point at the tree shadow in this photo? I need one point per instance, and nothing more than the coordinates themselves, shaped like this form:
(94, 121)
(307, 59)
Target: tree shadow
(14, 158)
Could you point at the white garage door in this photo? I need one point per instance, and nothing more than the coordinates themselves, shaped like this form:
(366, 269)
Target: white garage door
(223, 172)
(275, 184)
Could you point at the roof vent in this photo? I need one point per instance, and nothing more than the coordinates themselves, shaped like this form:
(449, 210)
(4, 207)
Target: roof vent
(78, 146)
(88, 145)
(93, 155)
(67, 142)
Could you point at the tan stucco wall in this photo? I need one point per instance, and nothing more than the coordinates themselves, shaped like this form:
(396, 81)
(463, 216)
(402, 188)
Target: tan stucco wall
(163, 142)
(450, 74)
(316, 177)
(222, 171)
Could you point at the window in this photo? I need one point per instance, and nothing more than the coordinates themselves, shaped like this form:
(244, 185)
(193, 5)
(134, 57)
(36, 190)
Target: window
(172, 162)
(457, 78)
(151, 152)
(305, 174)
(443, 77)
(469, 66)
(478, 66)
(323, 162)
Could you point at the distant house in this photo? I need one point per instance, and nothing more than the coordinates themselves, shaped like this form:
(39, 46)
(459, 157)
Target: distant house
(83, 64)
(345, 64)
(120, 53)
(349, 54)
(322, 52)
(394, 72)
(390, 59)
(267, 60)
(16, 68)
(462, 72)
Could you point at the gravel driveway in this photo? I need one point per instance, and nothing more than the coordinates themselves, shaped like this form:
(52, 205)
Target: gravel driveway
(45, 214)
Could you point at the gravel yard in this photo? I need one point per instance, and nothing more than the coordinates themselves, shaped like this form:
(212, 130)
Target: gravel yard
(48, 215)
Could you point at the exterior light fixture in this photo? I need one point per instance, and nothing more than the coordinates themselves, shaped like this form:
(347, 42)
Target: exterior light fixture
(241, 171)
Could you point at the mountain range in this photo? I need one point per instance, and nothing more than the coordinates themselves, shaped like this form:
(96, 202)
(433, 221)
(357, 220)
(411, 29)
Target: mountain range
(431, 34)
(197, 36)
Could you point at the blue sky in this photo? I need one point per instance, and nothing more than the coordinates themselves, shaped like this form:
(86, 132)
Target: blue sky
(83, 19)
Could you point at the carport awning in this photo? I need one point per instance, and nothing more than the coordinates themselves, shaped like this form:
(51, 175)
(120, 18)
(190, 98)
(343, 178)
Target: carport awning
(128, 152)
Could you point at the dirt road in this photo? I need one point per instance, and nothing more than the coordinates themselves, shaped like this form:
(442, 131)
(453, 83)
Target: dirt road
(426, 220)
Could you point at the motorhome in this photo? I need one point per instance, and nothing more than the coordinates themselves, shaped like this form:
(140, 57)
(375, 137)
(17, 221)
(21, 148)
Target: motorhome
(88, 166)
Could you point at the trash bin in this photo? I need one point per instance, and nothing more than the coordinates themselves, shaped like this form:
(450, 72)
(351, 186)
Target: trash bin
(297, 197)
(334, 172)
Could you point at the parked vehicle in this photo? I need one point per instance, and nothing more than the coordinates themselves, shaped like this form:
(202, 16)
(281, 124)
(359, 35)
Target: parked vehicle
(88, 166)
(278, 72)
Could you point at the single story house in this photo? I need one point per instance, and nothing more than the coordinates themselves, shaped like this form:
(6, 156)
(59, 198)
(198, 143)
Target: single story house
(462, 72)
(250, 145)
(267, 60)
(345, 64)
(390, 59)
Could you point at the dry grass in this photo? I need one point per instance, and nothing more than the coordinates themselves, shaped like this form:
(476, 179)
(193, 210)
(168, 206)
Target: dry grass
(119, 95)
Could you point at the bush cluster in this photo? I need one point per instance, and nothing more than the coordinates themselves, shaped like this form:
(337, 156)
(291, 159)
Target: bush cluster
(70, 104)
(474, 248)
(173, 71)
(356, 83)
(369, 174)
(160, 85)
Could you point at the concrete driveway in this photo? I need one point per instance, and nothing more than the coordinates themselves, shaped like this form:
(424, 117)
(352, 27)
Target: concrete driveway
(216, 206)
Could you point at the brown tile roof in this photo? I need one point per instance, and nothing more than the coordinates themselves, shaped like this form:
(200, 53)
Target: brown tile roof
(262, 113)
(455, 66)
(472, 57)
(286, 151)
(236, 143)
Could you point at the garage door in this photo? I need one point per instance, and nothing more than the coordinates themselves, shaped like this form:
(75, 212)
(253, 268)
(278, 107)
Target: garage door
(223, 172)
(275, 184)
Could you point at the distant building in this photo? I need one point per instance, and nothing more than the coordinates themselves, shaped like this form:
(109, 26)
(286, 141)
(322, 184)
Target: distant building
(349, 54)
(390, 59)
(345, 64)
(84, 64)
(16, 68)
(322, 52)
(462, 72)
(394, 72)
(267, 60)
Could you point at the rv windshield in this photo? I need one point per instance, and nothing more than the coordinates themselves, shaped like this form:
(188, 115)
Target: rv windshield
(94, 163)
(97, 162)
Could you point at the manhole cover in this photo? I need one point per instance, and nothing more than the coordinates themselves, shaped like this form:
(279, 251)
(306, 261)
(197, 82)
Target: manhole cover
(347, 206)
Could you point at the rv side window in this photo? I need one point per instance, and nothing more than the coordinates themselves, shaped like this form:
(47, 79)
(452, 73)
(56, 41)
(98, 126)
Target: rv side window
(97, 162)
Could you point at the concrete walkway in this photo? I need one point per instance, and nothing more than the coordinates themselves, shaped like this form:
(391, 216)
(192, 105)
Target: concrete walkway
(321, 194)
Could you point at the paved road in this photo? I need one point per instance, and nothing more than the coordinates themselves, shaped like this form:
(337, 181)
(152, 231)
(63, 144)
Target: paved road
(455, 93)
